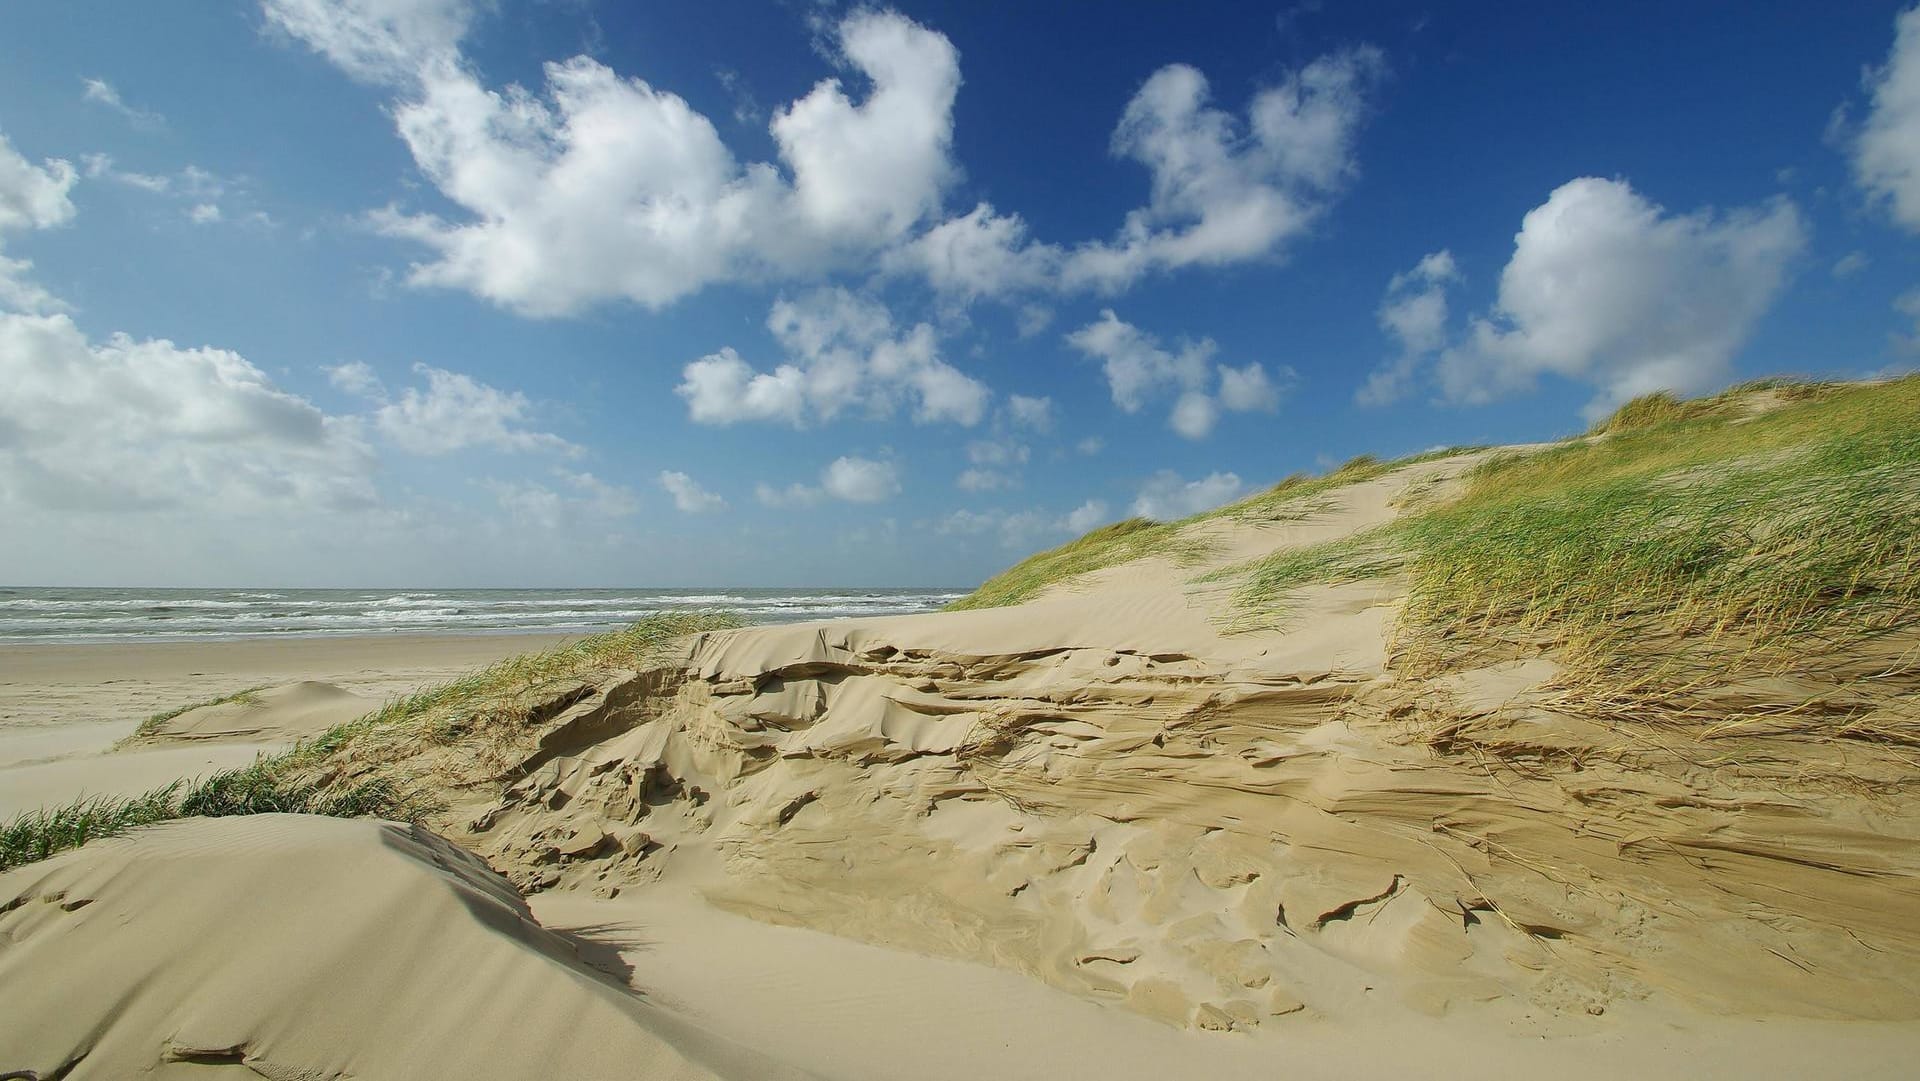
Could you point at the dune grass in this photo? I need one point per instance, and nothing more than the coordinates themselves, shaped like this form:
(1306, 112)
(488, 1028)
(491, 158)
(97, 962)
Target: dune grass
(490, 706)
(256, 789)
(153, 724)
(1750, 539)
(1107, 546)
(1293, 498)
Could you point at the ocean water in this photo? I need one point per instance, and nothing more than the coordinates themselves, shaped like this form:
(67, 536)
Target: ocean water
(107, 615)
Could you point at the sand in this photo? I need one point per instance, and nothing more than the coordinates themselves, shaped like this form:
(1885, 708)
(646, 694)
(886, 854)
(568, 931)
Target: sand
(1105, 833)
(65, 708)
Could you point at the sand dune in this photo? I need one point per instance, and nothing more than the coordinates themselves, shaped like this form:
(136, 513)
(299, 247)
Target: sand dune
(272, 714)
(302, 947)
(1102, 790)
(1110, 831)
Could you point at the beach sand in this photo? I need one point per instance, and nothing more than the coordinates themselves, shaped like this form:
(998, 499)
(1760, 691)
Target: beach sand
(63, 708)
(1103, 833)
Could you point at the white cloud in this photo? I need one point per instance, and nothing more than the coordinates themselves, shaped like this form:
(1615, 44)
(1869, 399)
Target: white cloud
(1194, 414)
(1135, 364)
(720, 388)
(1607, 288)
(793, 495)
(376, 40)
(31, 197)
(982, 253)
(101, 92)
(860, 480)
(204, 214)
(1033, 413)
(870, 171)
(1850, 264)
(1090, 446)
(1414, 314)
(1166, 497)
(1024, 528)
(454, 412)
(687, 494)
(1250, 389)
(1226, 191)
(127, 425)
(1886, 151)
(599, 188)
(1086, 516)
(357, 378)
(584, 499)
(844, 353)
(1138, 368)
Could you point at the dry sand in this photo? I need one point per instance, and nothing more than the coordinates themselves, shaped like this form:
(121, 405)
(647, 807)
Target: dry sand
(64, 708)
(1093, 835)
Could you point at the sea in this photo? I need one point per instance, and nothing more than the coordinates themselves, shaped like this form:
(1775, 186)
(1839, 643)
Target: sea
(122, 615)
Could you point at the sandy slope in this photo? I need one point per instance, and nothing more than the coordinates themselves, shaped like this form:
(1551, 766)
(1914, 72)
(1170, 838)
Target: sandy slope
(299, 947)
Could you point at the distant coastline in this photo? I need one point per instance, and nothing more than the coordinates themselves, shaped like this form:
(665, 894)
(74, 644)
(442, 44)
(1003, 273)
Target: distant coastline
(80, 615)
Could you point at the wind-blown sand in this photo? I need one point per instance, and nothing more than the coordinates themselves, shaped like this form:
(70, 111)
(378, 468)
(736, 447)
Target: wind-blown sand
(1099, 835)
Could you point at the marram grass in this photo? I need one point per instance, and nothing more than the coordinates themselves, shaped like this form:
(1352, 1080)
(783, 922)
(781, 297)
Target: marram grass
(1741, 543)
(1293, 498)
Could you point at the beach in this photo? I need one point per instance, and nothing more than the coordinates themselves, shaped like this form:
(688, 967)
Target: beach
(63, 708)
(1105, 829)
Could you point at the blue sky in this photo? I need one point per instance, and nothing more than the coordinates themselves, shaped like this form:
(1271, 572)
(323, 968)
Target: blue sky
(441, 292)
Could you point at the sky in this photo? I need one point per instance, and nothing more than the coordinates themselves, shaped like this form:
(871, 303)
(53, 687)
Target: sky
(575, 293)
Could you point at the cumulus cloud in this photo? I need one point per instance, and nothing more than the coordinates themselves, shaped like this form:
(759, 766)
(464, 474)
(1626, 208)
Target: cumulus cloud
(850, 478)
(581, 498)
(31, 197)
(1166, 497)
(1886, 150)
(102, 92)
(1139, 368)
(1850, 264)
(843, 354)
(1414, 314)
(453, 412)
(378, 41)
(1224, 190)
(600, 187)
(1021, 528)
(132, 424)
(982, 253)
(687, 493)
(1607, 288)
(1086, 516)
(1033, 413)
(861, 480)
